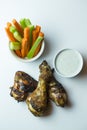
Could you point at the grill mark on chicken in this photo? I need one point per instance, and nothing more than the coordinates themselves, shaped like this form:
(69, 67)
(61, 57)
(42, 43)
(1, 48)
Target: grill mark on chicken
(23, 84)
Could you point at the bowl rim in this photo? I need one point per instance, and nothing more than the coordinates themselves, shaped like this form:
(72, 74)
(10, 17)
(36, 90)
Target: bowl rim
(32, 59)
(77, 72)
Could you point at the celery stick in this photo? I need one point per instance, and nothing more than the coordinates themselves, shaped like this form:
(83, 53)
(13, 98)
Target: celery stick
(27, 22)
(33, 48)
(12, 29)
(16, 33)
(15, 45)
(22, 23)
(17, 36)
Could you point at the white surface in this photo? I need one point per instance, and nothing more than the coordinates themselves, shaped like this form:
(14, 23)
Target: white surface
(68, 63)
(64, 23)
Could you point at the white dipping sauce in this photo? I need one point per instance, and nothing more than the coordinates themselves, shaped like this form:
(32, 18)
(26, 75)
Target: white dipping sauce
(68, 63)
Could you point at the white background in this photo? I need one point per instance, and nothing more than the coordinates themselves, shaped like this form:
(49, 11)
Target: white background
(64, 23)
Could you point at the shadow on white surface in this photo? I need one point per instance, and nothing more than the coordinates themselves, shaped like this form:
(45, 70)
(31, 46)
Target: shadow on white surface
(84, 70)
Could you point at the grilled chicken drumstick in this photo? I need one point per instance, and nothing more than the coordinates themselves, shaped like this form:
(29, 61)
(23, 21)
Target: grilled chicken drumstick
(48, 87)
(56, 91)
(37, 101)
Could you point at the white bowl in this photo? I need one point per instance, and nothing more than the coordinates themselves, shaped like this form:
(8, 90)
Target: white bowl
(68, 63)
(32, 59)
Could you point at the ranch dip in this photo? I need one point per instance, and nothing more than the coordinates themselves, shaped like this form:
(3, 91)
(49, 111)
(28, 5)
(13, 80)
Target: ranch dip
(68, 62)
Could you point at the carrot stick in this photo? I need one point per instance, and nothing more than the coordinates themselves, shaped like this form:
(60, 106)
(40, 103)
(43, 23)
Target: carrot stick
(18, 26)
(26, 33)
(18, 53)
(24, 47)
(10, 35)
(38, 28)
(38, 49)
(35, 33)
(27, 37)
(9, 24)
(41, 34)
(34, 36)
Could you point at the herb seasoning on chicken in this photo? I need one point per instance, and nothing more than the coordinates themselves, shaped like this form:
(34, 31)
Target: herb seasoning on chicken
(48, 87)
(36, 93)
(23, 83)
(37, 100)
(56, 91)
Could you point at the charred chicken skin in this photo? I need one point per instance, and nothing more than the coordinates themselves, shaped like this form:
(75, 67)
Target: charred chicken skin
(23, 84)
(48, 87)
(36, 93)
(37, 100)
(56, 91)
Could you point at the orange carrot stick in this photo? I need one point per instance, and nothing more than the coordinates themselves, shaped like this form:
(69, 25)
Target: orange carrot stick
(26, 33)
(11, 38)
(38, 28)
(18, 53)
(10, 35)
(35, 33)
(9, 24)
(34, 36)
(38, 49)
(24, 47)
(18, 26)
(41, 34)
(27, 37)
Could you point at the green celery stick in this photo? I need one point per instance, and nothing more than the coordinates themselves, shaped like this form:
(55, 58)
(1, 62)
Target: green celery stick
(31, 27)
(22, 23)
(15, 45)
(33, 48)
(12, 29)
(17, 36)
(27, 22)
(16, 33)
